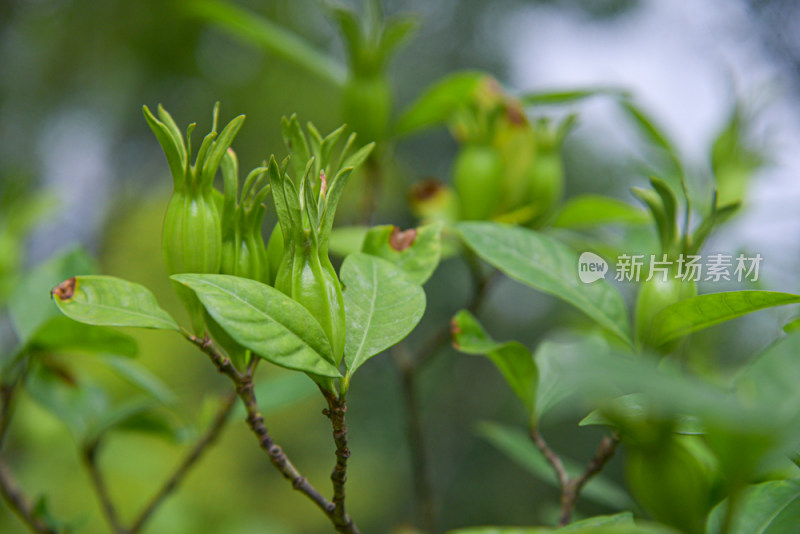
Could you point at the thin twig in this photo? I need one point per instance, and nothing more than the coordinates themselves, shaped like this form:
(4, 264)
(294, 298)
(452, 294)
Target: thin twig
(19, 503)
(423, 491)
(337, 407)
(551, 456)
(409, 367)
(10, 491)
(100, 487)
(202, 445)
(571, 486)
(245, 391)
(7, 393)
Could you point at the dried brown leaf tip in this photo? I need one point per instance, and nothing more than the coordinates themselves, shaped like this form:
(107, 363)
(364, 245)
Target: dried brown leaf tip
(425, 189)
(400, 240)
(455, 331)
(65, 289)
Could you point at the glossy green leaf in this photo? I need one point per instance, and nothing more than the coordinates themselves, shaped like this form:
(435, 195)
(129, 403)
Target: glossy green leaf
(382, 306)
(586, 211)
(569, 96)
(518, 446)
(29, 304)
(439, 102)
(255, 29)
(703, 311)
(548, 265)
(513, 359)
(110, 301)
(416, 251)
(769, 508)
(264, 320)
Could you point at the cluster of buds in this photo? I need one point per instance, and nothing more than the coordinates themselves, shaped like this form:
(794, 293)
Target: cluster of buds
(508, 167)
(206, 231)
(306, 189)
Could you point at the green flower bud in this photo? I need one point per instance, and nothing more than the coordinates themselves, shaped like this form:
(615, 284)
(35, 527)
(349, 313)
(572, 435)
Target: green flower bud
(367, 106)
(243, 251)
(306, 205)
(478, 180)
(655, 295)
(192, 234)
(433, 201)
(672, 480)
(545, 176)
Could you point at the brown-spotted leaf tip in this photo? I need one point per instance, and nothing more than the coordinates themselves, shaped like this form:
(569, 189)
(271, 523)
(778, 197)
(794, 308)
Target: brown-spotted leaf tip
(400, 240)
(455, 330)
(65, 289)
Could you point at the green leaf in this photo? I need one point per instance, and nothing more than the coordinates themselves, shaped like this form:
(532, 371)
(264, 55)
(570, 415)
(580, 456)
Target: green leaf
(696, 313)
(553, 389)
(345, 240)
(633, 407)
(770, 507)
(548, 265)
(141, 416)
(139, 376)
(586, 211)
(416, 251)
(514, 361)
(771, 379)
(652, 133)
(792, 326)
(543, 98)
(382, 306)
(517, 445)
(439, 102)
(110, 301)
(29, 304)
(264, 320)
(623, 519)
(64, 334)
(77, 405)
(260, 31)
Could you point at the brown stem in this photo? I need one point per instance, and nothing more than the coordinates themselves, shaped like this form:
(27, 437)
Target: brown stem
(245, 391)
(10, 491)
(571, 486)
(6, 399)
(186, 465)
(337, 407)
(19, 504)
(423, 492)
(100, 488)
(551, 456)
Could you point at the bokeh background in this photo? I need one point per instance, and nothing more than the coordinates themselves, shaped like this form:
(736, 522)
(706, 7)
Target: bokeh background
(73, 77)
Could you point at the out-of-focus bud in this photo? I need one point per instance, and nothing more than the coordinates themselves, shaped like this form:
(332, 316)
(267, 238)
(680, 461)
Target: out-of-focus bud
(478, 179)
(433, 201)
